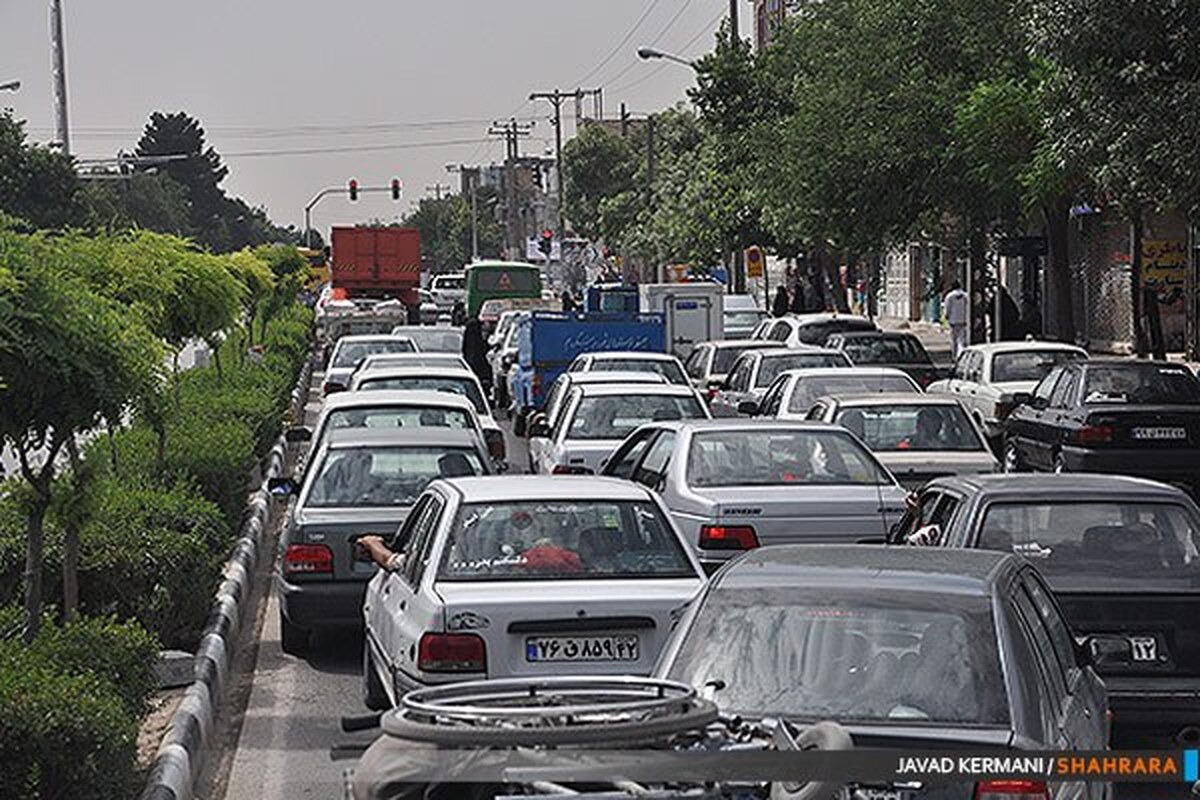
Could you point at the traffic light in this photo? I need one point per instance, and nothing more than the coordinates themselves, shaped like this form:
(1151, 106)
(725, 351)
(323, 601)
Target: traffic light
(395, 188)
(536, 170)
(546, 244)
(353, 190)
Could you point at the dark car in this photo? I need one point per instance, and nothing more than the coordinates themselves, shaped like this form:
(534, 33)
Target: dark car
(887, 349)
(360, 481)
(905, 648)
(1122, 556)
(1130, 417)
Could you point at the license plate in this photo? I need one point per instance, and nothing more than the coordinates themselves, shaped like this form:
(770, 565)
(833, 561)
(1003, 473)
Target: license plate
(582, 648)
(872, 793)
(1160, 433)
(1145, 648)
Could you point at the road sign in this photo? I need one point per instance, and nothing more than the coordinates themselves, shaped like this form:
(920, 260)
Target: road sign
(754, 262)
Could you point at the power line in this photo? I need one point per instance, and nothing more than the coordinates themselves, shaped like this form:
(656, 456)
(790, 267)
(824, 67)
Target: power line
(624, 41)
(295, 131)
(707, 29)
(661, 34)
(312, 151)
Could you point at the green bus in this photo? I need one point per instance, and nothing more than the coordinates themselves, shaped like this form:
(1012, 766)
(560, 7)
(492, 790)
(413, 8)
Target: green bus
(490, 280)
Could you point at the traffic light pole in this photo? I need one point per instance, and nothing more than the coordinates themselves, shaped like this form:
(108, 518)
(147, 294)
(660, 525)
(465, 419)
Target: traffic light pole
(328, 190)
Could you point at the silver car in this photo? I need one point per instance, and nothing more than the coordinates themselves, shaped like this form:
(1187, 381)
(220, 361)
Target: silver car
(794, 392)
(432, 339)
(917, 437)
(350, 350)
(419, 359)
(664, 364)
(525, 576)
(734, 485)
(710, 362)
(755, 370)
(595, 419)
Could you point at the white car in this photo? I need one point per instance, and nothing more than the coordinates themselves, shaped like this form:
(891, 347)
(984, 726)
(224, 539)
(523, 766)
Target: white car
(795, 391)
(709, 363)
(988, 378)
(350, 350)
(755, 370)
(810, 329)
(917, 437)
(432, 338)
(595, 419)
(560, 390)
(451, 379)
(503, 354)
(742, 315)
(525, 576)
(664, 364)
(448, 288)
(386, 360)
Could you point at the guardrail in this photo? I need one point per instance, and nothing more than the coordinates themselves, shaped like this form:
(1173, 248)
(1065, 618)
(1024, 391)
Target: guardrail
(189, 735)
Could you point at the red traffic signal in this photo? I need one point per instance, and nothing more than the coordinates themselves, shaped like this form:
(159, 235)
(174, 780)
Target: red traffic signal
(547, 242)
(395, 188)
(353, 189)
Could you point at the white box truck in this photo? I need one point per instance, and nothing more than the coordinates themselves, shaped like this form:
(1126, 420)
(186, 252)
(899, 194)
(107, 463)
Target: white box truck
(695, 312)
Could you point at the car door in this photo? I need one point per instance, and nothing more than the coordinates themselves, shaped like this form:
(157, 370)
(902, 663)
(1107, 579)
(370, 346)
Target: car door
(558, 432)
(1027, 424)
(1057, 418)
(411, 605)
(625, 458)
(696, 366)
(651, 471)
(773, 400)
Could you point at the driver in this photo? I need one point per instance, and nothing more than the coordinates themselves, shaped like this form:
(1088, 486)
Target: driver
(928, 433)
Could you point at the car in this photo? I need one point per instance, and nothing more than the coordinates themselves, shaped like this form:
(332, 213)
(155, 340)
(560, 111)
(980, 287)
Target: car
(503, 355)
(525, 576)
(349, 350)
(736, 484)
(389, 410)
(989, 378)
(452, 379)
(664, 364)
(887, 349)
(794, 391)
(811, 329)
(448, 288)
(432, 338)
(427, 308)
(419, 359)
(755, 370)
(1133, 417)
(1122, 556)
(561, 389)
(907, 650)
(742, 315)
(359, 481)
(596, 418)
(917, 437)
(709, 362)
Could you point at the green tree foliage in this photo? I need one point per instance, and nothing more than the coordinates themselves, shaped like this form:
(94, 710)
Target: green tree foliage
(153, 202)
(598, 165)
(445, 227)
(36, 184)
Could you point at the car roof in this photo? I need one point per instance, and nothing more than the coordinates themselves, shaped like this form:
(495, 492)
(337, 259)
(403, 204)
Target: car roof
(405, 330)
(822, 372)
(806, 350)
(1022, 346)
(875, 335)
(742, 424)
(544, 487)
(740, 302)
(1048, 484)
(619, 355)
(745, 344)
(892, 398)
(936, 570)
(1126, 362)
(399, 437)
(373, 337)
(669, 389)
(394, 397)
(612, 376)
(448, 370)
(825, 316)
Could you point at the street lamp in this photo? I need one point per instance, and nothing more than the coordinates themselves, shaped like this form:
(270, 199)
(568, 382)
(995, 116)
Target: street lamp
(650, 53)
(11, 86)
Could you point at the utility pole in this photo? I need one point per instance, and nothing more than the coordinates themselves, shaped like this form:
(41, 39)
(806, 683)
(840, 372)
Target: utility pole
(556, 99)
(739, 254)
(59, 54)
(733, 22)
(513, 132)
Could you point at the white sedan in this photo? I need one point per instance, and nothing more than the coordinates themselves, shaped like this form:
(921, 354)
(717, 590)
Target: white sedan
(795, 391)
(664, 364)
(525, 576)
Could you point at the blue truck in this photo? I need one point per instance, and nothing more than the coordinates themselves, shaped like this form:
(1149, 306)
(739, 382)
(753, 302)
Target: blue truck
(548, 341)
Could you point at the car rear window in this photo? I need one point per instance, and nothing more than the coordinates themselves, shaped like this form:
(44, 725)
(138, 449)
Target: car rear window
(350, 353)
(397, 417)
(912, 428)
(773, 365)
(839, 653)
(460, 386)
(437, 340)
(724, 357)
(385, 476)
(817, 332)
(779, 458)
(1148, 384)
(885, 350)
(562, 540)
(1101, 546)
(668, 369)
(809, 389)
(616, 416)
(1030, 365)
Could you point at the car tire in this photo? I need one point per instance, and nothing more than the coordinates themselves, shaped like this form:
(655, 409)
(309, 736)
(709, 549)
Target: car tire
(1012, 457)
(374, 695)
(293, 639)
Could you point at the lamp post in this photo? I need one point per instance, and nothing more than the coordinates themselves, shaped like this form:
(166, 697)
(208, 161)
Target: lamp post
(650, 53)
(10, 86)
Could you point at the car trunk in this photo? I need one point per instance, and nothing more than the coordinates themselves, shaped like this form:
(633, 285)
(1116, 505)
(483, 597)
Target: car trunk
(915, 469)
(1149, 427)
(576, 627)
(808, 514)
(1161, 626)
(339, 528)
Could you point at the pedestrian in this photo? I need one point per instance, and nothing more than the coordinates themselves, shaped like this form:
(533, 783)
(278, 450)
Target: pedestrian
(1010, 318)
(458, 313)
(780, 306)
(799, 299)
(568, 302)
(474, 351)
(954, 311)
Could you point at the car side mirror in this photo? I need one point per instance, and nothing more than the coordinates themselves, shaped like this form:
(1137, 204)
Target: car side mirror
(748, 407)
(925, 536)
(1022, 398)
(539, 428)
(295, 435)
(283, 487)
(1108, 651)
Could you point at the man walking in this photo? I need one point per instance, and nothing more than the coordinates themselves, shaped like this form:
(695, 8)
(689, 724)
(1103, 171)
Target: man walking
(954, 311)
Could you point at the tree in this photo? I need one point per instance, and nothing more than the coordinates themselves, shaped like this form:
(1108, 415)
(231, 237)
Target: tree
(597, 165)
(153, 202)
(36, 184)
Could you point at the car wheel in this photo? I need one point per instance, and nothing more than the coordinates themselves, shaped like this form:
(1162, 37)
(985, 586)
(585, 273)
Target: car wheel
(1060, 464)
(1012, 457)
(374, 695)
(293, 639)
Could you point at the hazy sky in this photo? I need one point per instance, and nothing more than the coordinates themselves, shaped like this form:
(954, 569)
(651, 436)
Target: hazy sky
(265, 76)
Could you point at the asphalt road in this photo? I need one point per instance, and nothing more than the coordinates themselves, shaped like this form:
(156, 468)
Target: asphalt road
(292, 714)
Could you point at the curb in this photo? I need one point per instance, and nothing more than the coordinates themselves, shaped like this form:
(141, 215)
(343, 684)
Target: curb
(184, 746)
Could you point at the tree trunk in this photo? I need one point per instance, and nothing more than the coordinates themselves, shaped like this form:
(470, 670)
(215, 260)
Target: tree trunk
(175, 378)
(35, 531)
(70, 565)
(1135, 280)
(1056, 216)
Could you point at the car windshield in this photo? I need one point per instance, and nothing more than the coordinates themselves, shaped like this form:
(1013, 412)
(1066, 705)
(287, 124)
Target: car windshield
(723, 358)
(385, 476)
(615, 416)
(911, 427)
(350, 353)
(839, 653)
(416, 383)
(398, 417)
(561, 540)
(749, 457)
(669, 369)
(808, 389)
(1029, 365)
(1101, 546)
(885, 350)
(774, 364)
(1149, 384)
(437, 340)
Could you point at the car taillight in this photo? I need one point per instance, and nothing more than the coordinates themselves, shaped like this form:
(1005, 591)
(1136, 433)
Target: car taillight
(452, 652)
(1011, 790)
(307, 559)
(1094, 434)
(728, 537)
(495, 444)
(567, 469)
